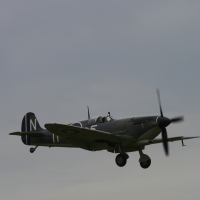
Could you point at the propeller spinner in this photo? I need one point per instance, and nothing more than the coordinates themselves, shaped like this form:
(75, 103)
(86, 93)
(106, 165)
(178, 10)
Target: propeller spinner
(163, 122)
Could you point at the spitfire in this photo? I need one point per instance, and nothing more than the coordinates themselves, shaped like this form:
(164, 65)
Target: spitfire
(103, 133)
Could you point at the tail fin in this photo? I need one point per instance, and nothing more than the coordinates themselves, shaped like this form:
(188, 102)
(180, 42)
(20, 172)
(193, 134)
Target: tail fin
(30, 123)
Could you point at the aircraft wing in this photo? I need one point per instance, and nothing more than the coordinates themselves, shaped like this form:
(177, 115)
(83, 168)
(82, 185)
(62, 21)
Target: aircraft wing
(155, 141)
(32, 134)
(86, 134)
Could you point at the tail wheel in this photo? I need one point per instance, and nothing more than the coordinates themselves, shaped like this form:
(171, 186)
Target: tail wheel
(145, 164)
(121, 160)
(32, 150)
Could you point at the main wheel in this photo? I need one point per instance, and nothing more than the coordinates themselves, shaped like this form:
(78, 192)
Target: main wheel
(121, 160)
(32, 150)
(145, 164)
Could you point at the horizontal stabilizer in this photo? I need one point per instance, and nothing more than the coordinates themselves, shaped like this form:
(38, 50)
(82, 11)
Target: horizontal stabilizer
(32, 134)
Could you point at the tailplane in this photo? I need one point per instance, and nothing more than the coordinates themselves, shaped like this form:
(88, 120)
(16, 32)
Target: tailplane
(30, 128)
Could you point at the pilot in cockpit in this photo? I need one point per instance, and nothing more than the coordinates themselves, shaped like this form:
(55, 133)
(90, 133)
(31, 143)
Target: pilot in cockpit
(104, 119)
(107, 118)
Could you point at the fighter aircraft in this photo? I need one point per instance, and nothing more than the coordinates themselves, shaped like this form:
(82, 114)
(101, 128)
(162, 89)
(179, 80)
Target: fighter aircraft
(103, 133)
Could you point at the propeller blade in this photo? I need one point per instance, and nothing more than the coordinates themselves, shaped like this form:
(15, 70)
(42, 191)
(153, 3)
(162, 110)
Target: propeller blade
(177, 119)
(165, 141)
(88, 112)
(158, 94)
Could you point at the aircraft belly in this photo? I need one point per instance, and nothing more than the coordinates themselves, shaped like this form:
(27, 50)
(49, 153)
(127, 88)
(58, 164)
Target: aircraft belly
(151, 134)
(53, 145)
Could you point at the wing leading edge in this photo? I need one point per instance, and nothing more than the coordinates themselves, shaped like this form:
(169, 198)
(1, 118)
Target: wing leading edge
(173, 139)
(91, 135)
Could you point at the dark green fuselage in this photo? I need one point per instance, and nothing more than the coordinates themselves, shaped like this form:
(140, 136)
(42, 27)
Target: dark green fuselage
(138, 128)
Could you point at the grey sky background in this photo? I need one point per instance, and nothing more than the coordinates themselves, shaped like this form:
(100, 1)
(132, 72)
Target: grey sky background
(57, 57)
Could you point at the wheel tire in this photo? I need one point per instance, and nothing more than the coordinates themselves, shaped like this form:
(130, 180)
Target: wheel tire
(146, 164)
(121, 160)
(32, 150)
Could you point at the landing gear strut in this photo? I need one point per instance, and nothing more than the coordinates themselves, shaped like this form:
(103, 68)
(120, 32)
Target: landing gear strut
(121, 158)
(33, 149)
(145, 160)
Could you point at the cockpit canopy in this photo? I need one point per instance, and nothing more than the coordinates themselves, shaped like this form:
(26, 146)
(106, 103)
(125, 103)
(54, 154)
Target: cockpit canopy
(98, 120)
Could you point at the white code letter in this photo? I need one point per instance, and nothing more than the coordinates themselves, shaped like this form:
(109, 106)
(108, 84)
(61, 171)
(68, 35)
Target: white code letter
(32, 125)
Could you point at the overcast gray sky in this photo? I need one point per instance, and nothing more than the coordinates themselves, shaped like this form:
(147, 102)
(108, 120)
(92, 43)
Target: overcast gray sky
(57, 57)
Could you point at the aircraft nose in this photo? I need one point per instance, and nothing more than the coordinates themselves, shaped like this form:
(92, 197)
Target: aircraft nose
(163, 122)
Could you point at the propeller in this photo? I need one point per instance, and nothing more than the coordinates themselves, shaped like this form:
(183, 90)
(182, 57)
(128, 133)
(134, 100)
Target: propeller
(163, 122)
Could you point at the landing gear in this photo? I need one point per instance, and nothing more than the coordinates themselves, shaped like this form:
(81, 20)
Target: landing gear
(33, 149)
(145, 160)
(121, 158)
(146, 164)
